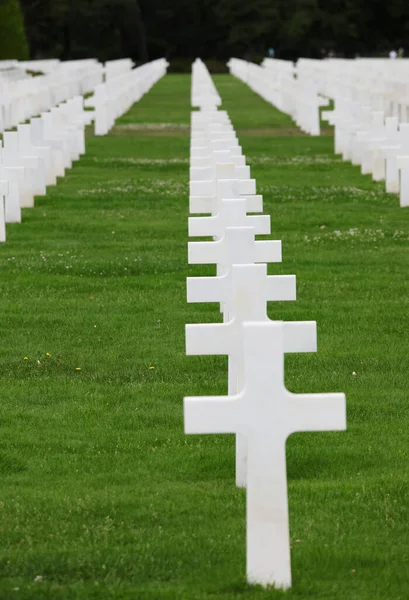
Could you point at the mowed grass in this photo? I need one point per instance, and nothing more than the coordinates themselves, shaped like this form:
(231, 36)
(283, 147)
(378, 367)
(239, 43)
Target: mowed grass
(102, 494)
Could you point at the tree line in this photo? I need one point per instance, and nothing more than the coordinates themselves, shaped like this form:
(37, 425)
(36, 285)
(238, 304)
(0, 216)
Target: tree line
(211, 29)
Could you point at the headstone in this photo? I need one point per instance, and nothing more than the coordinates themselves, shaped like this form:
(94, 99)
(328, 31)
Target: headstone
(232, 213)
(237, 246)
(245, 291)
(4, 189)
(403, 166)
(15, 177)
(266, 414)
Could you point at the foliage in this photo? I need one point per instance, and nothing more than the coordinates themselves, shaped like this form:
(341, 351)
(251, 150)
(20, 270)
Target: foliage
(13, 42)
(213, 29)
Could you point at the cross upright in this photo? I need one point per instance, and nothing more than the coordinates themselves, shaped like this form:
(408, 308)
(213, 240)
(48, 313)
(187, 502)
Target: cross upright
(379, 163)
(403, 166)
(4, 190)
(266, 413)
(15, 177)
(399, 145)
(376, 136)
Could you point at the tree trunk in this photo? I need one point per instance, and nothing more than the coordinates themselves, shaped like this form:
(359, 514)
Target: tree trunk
(140, 33)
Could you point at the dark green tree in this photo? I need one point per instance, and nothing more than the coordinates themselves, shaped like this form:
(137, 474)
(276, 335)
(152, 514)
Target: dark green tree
(13, 41)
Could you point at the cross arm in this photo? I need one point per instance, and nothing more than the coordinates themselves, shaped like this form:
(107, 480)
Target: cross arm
(281, 287)
(317, 412)
(267, 251)
(201, 204)
(209, 338)
(247, 186)
(254, 204)
(261, 224)
(403, 162)
(211, 414)
(203, 253)
(300, 336)
(206, 289)
(206, 204)
(203, 226)
(205, 188)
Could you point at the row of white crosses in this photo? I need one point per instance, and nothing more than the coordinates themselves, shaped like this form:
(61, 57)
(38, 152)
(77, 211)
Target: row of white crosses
(203, 91)
(379, 144)
(33, 156)
(123, 87)
(371, 108)
(116, 86)
(279, 83)
(258, 408)
(25, 96)
(370, 123)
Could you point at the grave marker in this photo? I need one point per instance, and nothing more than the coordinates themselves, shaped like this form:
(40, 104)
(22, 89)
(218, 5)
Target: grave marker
(245, 291)
(266, 413)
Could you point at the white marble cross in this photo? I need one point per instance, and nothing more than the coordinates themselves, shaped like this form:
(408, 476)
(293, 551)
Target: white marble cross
(201, 151)
(201, 139)
(403, 166)
(4, 189)
(379, 161)
(28, 147)
(209, 187)
(237, 246)
(398, 146)
(266, 413)
(228, 171)
(33, 165)
(40, 136)
(216, 157)
(16, 179)
(225, 189)
(375, 135)
(232, 213)
(245, 291)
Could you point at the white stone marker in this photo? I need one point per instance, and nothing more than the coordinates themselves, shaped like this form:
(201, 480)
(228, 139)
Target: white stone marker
(237, 246)
(215, 157)
(209, 172)
(266, 413)
(34, 168)
(245, 290)
(27, 147)
(232, 213)
(39, 137)
(15, 177)
(391, 151)
(226, 189)
(403, 166)
(4, 189)
(209, 187)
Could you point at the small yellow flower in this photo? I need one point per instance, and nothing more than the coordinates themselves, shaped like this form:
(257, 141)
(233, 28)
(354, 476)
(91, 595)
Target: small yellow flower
(26, 358)
(48, 354)
(78, 368)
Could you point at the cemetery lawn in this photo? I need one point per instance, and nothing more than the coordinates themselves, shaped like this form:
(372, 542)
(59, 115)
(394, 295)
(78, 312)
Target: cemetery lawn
(102, 495)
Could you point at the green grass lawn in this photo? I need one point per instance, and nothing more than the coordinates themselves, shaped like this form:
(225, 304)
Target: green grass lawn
(102, 495)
